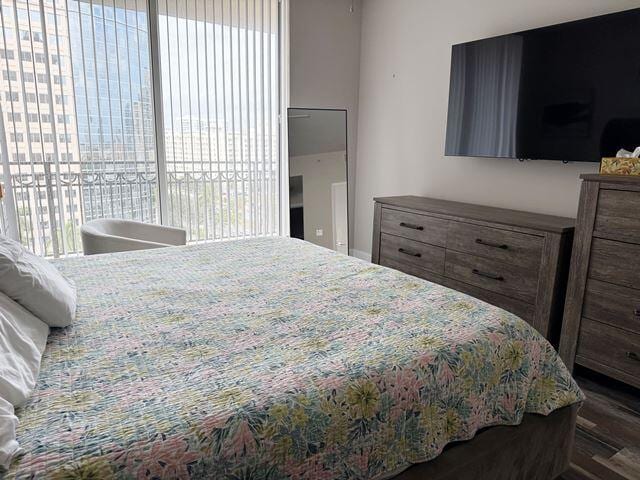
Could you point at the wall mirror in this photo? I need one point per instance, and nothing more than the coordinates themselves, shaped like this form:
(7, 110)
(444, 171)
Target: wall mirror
(318, 177)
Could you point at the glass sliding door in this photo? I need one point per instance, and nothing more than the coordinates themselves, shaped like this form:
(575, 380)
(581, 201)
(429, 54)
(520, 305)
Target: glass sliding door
(219, 72)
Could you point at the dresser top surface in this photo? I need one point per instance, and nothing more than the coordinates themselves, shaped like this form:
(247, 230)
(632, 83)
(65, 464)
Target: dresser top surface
(619, 179)
(514, 218)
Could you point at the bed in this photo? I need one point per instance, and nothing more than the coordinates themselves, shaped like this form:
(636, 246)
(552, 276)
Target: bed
(273, 358)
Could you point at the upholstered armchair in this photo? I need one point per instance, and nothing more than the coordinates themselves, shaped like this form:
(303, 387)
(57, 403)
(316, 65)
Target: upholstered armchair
(113, 235)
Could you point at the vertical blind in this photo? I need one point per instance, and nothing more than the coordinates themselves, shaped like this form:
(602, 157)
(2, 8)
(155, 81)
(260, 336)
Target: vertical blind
(81, 138)
(219, 64)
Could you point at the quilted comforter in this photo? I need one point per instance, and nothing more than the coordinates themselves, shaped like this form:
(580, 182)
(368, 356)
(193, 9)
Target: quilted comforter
(272, 358)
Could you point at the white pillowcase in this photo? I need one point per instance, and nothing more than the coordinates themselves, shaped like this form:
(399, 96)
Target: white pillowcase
(9, 447)
(22, 341)
(35, 284)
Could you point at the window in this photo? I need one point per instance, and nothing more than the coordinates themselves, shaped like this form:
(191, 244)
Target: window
(9, 75)
(219, 87)
(89, 130)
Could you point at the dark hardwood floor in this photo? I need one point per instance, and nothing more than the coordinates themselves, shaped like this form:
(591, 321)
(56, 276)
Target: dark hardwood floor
(608, 435)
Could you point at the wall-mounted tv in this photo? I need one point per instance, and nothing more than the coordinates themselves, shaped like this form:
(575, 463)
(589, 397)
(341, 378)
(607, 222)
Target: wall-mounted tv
(567, 92)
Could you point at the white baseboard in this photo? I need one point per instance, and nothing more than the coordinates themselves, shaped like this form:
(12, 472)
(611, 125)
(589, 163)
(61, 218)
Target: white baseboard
(361, 255)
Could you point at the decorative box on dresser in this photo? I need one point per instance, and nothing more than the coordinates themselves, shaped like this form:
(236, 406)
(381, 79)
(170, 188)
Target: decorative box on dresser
(602, 313)
(518, 261)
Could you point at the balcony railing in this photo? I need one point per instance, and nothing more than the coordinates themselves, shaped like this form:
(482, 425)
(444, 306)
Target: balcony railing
(50, 207)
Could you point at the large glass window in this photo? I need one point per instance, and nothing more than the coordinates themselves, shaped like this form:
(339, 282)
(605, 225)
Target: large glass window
(93, 154)
(78, 127)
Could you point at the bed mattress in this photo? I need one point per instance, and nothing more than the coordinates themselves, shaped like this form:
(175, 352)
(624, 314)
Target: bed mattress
(272, 358)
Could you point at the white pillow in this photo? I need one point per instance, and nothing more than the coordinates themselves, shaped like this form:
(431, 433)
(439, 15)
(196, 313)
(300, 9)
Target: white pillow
(22, 340)
(9, 447)
(36, 284)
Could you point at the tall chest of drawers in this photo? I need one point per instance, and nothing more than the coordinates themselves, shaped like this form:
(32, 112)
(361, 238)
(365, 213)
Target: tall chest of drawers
(602, 313)
(516, 260)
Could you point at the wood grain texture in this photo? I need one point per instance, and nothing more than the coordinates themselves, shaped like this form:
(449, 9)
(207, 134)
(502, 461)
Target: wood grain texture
(625, 181)
(529, 251)
(613, 304)
(615, 262)
(512, 281)
(508, 247)
(553, 270)
(496, 216)
(618, 215)
(617, 349)
(404, 250)
(375, 244)
(421, 228)
(608, 431)
(578, 272)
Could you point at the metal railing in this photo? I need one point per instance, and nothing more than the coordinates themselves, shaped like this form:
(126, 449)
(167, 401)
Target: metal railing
(50, 207)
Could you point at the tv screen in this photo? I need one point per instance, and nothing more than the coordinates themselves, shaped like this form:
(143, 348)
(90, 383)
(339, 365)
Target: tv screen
(567, 92)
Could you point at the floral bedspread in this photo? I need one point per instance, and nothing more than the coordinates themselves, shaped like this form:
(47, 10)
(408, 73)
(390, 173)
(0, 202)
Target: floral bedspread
(272, 358)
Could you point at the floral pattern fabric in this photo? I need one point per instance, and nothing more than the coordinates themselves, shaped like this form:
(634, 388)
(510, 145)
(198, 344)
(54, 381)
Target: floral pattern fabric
(268, 359)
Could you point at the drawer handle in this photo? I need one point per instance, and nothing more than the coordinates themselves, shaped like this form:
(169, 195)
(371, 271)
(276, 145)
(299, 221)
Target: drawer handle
(633, 356)
(636, 312)
(411, 226)
(410, 253)
(479, 241)
(499, 278)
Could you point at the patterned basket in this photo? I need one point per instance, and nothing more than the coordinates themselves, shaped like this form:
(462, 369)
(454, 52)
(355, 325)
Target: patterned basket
(620, 166)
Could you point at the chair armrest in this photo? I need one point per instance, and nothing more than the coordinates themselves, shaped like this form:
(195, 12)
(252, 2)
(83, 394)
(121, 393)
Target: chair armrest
(149, 232)
(97, 244)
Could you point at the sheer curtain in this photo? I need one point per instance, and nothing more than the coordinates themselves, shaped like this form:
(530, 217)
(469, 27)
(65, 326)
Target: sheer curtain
(219, 71)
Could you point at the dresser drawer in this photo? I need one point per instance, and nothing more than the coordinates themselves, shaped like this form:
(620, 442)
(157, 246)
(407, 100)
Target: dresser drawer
(502, 245)
(618, 214)
(416, 227)
(609, 346)
(612, 304)
(410, 252)
(615, 262)
(510, 280)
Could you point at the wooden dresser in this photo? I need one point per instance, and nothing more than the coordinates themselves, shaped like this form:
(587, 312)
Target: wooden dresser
(516, 260)
(602, 313)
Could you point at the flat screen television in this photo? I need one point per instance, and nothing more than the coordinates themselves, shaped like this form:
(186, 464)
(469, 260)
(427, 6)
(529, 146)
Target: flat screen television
(567, 92)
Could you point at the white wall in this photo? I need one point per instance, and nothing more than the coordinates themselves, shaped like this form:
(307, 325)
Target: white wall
(404, 85)
(318, 172)
(325, 64)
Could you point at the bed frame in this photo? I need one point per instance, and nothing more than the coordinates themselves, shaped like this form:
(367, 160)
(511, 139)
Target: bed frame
(538, 449)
